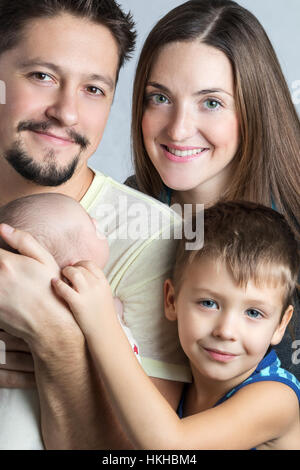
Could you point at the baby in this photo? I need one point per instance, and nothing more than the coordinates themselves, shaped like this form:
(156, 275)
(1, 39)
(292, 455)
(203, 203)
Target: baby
(232, 301)
(65, 229)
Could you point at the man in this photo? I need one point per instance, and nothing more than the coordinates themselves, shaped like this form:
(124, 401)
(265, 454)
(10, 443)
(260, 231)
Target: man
(59, 60)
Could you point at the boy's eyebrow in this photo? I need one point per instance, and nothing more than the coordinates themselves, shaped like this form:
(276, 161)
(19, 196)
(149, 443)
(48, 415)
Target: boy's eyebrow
(206, 291)
(200, 92)
(98, 77)
(256, 303)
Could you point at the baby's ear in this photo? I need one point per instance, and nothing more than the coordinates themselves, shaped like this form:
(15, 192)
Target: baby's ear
(169, 300)
(280, 330)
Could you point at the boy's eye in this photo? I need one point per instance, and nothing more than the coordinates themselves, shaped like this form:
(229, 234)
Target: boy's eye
(252, 313)
(208, 303)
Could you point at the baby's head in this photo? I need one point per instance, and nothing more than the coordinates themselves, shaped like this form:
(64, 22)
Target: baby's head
(234, 295)
(60, 224)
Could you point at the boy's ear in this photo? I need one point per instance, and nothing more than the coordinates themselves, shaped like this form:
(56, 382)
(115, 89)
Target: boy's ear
(169, 300)
(280, 330)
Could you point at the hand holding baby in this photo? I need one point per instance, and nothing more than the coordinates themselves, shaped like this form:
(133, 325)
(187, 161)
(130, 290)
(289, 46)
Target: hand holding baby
(89, 291)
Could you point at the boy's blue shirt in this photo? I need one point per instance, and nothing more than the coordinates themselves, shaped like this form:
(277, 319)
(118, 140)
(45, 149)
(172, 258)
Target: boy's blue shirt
(267, 370)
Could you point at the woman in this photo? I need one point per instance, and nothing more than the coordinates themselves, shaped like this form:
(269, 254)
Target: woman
(213, 117)
(265, 163)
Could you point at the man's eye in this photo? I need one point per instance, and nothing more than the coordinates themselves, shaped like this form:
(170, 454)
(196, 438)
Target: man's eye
(93, 90)
(43, 77)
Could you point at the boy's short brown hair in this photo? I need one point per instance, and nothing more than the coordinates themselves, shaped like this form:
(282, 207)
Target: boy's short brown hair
(255, 242)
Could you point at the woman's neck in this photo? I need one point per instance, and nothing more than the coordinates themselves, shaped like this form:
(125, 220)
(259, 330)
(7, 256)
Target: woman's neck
(207, 193)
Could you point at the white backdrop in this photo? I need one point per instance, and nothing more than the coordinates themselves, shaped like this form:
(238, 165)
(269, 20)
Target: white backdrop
(281, 20)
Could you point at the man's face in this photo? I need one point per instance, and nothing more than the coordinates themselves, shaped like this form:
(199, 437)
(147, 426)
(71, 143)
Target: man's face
(60, 82)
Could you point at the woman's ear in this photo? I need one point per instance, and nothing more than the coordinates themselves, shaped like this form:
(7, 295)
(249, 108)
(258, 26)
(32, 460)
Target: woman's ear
(169, 300)
(280, 330)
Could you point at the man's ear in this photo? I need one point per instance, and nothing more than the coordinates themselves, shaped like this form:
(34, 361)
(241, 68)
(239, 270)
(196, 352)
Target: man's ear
(280, 330)
(169, 300)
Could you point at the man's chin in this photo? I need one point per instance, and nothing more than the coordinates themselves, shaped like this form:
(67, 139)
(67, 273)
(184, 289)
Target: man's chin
(46, 173)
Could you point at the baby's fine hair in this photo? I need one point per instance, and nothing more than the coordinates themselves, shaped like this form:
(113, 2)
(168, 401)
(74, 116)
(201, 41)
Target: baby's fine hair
(255, 242)
(45, 217)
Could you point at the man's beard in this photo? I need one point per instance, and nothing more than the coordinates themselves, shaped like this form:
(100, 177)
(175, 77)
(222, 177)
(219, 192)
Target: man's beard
(43, 174)
(46, 173)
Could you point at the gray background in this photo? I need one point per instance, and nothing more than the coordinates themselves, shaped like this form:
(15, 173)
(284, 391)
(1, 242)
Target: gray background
(281, 20)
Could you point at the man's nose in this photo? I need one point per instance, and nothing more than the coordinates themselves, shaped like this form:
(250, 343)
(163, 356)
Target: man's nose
(64, 108)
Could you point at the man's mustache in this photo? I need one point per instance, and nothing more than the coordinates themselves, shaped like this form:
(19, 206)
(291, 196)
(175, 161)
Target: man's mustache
(46, 126)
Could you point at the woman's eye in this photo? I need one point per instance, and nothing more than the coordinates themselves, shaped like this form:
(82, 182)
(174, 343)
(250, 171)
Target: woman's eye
(212, 104)
(159, 99)
(208, 303)
(252, 313)
(93, 90)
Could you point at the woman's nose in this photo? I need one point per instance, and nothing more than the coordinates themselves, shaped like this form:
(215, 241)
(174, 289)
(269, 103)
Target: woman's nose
(181, 125)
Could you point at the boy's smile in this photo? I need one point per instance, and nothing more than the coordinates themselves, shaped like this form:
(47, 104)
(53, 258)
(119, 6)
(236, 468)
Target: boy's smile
(225, 330)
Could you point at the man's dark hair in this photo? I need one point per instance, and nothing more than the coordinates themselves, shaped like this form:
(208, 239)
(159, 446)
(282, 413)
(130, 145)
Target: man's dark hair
(15, 14)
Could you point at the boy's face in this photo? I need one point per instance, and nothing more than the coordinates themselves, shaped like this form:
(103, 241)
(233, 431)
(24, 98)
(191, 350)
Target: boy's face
(225, 330)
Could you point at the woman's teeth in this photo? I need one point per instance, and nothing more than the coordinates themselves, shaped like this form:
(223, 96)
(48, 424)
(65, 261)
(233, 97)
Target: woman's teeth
(185, 153)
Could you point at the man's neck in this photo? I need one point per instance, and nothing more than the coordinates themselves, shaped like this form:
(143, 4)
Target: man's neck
(14, 186)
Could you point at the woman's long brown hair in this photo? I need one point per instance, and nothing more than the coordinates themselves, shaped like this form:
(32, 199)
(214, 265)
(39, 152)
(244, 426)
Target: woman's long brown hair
(266, 166)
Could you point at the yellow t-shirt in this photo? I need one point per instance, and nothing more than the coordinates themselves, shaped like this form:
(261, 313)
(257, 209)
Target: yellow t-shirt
(140, 232)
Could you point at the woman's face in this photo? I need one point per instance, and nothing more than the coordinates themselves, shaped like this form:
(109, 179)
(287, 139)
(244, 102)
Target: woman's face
(190, 125)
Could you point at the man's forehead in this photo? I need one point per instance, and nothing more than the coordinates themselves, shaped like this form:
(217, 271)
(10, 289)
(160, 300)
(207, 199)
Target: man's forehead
(73, 43)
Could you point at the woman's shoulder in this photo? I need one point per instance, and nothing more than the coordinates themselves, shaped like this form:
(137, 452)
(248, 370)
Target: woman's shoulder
(131, 182)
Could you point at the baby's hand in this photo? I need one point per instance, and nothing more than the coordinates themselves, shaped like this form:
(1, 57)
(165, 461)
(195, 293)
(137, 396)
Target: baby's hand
(88, 296)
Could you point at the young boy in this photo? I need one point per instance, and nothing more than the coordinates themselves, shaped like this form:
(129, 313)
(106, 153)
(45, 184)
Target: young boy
(232, 301)
(65, 229)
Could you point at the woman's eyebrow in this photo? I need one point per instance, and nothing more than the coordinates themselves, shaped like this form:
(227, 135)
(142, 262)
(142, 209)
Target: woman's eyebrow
(159, 86)
(207, 91)
(212, 90)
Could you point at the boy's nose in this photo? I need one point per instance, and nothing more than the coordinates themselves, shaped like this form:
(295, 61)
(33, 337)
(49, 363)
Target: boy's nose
(226, 327)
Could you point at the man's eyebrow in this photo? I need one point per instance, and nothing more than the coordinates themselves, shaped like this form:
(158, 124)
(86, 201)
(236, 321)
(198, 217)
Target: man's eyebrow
(93, 77)
(161, 87)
